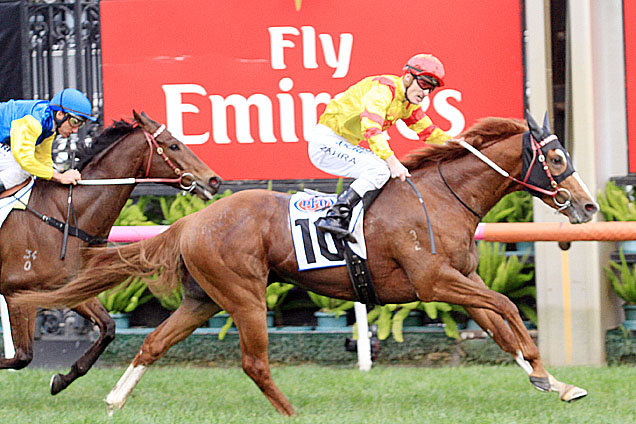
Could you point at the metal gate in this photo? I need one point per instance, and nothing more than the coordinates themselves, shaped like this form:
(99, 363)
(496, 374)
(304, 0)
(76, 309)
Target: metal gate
(62, 48)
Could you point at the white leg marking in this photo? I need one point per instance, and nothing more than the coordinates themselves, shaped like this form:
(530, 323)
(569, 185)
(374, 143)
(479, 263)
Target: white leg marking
(118, 396)
(523, 363)
(567, 392)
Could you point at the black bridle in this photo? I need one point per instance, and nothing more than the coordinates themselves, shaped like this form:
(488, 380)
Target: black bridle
(536, 176)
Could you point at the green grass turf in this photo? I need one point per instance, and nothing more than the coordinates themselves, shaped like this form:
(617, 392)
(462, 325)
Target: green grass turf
(475, 394)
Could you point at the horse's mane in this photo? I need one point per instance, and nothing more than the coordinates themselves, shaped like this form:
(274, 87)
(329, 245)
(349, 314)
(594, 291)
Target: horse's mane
(486, 131)
(110, 135)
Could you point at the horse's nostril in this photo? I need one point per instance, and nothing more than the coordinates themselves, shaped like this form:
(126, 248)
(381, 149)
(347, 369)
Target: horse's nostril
(215, 182)
(591, 207)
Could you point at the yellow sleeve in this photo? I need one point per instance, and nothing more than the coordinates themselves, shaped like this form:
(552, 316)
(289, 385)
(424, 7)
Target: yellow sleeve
(375, 104)
(43, 152)
(428, 132)
(35, 160)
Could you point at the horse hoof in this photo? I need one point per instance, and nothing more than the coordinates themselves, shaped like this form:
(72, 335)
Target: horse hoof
(57, 384)
(541, 383)
(571, 393)
(110, 409)
(113, 404)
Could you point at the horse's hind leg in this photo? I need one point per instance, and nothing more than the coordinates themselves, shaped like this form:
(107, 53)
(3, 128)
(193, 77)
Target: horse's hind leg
(187, 318)
(95, 312)
(252, 326)
(22, 319)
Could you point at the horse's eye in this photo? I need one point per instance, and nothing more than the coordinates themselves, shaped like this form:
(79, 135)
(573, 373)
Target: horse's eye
(557, 160)
(174, 147)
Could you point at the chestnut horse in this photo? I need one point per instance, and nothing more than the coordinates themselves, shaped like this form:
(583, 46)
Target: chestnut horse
(122, 151)
(234, 245)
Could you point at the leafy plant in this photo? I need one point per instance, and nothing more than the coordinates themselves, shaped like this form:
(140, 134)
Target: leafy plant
(329, 304)
(133, 213)
(443, 311)
(228, 324)
(124, 298)
(276, 293)
(390, 318)
(182, 205)
(514, 207)
(625, 282)
(615, 203)
(505, 274)
(173, 300)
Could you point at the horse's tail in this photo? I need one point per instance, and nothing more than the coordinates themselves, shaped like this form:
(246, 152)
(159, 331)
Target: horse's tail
(157, 260)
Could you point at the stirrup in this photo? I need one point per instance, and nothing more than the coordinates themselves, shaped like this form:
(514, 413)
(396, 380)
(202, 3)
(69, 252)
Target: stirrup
(336, 231)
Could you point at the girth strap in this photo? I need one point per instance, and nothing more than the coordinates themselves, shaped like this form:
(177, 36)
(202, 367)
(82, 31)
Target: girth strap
(360, 277)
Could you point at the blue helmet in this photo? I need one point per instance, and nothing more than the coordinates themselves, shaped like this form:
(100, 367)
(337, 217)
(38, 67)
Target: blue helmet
(74, 102)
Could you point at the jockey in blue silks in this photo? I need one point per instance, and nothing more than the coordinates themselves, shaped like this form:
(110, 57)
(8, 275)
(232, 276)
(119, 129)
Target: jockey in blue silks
(27, 131)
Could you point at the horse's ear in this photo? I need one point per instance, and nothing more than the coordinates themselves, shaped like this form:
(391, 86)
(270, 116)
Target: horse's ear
(136, 116)
(546, 124)
(535, 129)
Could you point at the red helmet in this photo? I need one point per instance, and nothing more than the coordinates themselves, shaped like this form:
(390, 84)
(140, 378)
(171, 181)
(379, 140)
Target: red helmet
(426, 67)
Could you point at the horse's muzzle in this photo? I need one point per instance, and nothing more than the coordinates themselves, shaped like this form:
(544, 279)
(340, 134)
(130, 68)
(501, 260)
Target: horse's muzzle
(215, 183)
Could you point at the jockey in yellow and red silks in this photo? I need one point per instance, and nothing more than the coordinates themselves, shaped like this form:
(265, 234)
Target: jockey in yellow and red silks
(363, 112)
(27, 131)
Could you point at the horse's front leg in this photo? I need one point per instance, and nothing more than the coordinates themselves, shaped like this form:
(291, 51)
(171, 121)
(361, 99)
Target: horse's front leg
(493, 324)
(22, 319)
(496, 327)
(92, 310)
(490, 310)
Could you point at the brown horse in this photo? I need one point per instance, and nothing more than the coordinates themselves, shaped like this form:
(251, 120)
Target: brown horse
(234, 245)
(123, 150)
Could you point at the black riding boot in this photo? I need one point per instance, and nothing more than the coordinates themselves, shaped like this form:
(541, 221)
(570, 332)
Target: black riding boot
(339, 215)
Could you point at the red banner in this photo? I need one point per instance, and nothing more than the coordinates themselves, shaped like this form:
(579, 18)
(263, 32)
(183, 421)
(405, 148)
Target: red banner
(629, 10)
(243, 82)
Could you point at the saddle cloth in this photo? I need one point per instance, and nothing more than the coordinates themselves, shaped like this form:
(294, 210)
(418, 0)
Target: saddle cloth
(314, 248)
(7, 204)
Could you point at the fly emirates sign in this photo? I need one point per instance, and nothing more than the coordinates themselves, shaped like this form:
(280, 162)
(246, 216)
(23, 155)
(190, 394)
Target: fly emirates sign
(244, 89)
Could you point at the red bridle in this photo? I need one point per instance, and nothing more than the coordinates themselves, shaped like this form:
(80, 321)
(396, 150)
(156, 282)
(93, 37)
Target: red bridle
(153, 146)
(151, 139)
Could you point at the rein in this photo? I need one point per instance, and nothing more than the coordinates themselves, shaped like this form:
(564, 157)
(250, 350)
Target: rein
(439, 169)
(536, 146)
(428, 220)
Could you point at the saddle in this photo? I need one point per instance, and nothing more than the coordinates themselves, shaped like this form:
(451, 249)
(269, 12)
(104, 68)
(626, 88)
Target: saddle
(317, 249)
(14, 189)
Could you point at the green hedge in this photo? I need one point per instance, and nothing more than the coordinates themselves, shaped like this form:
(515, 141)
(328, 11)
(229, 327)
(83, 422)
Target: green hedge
(424, 349)
(418, 348)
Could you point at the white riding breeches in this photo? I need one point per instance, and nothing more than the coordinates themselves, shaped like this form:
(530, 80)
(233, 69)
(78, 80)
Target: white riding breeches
(11, 173)
(335, 155)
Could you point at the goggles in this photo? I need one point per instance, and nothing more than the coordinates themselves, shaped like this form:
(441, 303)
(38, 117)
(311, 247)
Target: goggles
(426, 82)
(75, 121)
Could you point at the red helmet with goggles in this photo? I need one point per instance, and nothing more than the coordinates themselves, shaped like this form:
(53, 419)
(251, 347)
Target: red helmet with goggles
(426, 67)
